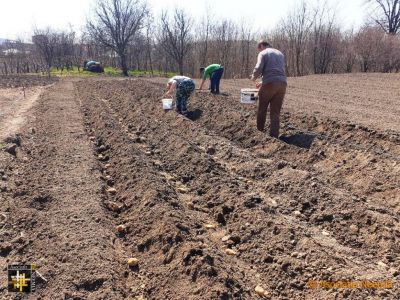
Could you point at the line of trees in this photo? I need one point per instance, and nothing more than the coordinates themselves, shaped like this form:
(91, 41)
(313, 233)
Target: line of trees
(124, 34)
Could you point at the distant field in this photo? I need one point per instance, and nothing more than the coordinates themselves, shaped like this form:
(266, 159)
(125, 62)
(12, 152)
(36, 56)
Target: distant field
(368, 99)
(110, 71)
(15, 81)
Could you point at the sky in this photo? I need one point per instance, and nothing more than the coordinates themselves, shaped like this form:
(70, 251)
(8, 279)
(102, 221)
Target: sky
(18, 17)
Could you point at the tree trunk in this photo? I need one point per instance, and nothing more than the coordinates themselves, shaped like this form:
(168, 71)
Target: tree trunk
(180, 66)
(150, 62)
(124, 66)
(298, 72)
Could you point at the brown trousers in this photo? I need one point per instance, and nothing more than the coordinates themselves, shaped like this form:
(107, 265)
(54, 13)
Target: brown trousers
(270, 94)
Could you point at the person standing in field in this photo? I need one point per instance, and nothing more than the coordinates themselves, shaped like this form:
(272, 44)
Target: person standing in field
(272, 89)
(184, 87)
(215, 72)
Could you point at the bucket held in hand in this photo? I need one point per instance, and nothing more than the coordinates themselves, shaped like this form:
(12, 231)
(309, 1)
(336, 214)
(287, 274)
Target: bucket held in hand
(167, 104)
(248, 96)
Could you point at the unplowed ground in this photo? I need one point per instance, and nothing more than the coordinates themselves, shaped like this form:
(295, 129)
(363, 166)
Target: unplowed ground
(321, 204)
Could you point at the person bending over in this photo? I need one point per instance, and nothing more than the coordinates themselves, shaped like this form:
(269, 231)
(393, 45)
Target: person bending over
(184, 87)
(214, 72)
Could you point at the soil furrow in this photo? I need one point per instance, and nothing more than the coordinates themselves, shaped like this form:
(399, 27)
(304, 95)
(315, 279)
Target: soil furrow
(205, 207)
(57, 219)
(139, 116)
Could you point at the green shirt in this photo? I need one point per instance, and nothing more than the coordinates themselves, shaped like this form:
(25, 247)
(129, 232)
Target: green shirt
(210, 69)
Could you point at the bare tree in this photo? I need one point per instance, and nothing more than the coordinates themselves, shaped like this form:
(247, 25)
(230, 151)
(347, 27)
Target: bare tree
(116, 23)
(124, 34)
(149, 43)
(45, 41)
(64, 50)
(349, 55)
(324, 41)
(277, 39)
(79, 51)
(388, 16)
(388, 58)
(175, 36)
(368, 44)
(225, 34)
(204, 32)
(136, 52)
(297, 27)
(246, 38)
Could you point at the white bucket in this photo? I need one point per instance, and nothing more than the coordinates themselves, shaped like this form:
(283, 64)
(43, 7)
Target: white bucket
(167, 104)
(248, 96)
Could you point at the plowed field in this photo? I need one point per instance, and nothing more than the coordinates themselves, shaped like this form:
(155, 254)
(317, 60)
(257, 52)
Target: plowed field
(210, 207)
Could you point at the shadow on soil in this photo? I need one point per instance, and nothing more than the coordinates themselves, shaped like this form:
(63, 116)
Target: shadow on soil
(302, 140)
(195, 114)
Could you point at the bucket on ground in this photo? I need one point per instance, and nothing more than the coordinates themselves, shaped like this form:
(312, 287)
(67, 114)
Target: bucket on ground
(167, 104)
(248, 96)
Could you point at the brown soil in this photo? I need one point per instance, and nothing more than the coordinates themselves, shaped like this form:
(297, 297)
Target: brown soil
(366, 99)
(15, 104)
(14, 81)
(321, 204)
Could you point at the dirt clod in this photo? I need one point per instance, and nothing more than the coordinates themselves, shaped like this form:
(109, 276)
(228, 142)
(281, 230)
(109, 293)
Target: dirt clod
(211, 150)
(226, 238)
(182, 190)
(111, 191)
(114, 206)
(210, 226)
(133, 262)
(5, 249)
(354, 228)
(260, 291)
(230, 252)
(11, 149)
(121, 228)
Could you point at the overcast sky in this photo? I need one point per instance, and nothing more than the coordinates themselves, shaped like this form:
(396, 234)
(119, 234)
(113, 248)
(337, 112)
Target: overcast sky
(17, 17)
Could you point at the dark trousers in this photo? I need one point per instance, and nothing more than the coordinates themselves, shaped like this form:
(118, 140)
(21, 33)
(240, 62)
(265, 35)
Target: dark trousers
(270, 94)
(183, 92)
(215, 80)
